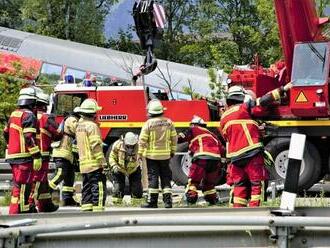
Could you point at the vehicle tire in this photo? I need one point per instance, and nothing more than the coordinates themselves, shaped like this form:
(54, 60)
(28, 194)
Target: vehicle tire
(180, 165)
(310, 167)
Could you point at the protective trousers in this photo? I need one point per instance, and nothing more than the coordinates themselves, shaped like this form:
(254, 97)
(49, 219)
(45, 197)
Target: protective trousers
(248, 181)
(206, 171)
(159, 169)
(22, 183)
(94, 191)
(135, 186)
(64, 172)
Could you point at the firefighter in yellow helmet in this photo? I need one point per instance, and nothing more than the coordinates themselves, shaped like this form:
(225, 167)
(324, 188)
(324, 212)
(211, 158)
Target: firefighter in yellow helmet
(157, 143)
(123, 162)
(91, 157)
(63, 155)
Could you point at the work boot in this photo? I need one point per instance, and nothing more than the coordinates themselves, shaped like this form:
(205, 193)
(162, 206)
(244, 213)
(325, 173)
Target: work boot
(70, 202)
(152, 202)
(167, 199)
(32, 209)
(51, 207)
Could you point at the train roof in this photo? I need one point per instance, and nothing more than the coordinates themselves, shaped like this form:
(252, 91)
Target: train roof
(102, 61)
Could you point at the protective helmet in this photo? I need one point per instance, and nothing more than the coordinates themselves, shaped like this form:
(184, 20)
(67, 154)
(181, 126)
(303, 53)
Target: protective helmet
(236, 93)
(249, 95)
(27, 96)
(197, 120)
(130, 139)
(155, 107)
(88, 106)
(42, 98)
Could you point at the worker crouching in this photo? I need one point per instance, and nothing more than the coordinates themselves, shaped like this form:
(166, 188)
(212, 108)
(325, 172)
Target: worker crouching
(123, 162)
(157, 142)
(206, 151)
(91, 157)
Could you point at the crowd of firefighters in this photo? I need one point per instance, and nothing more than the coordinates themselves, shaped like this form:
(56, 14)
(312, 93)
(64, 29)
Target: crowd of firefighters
(33, 137)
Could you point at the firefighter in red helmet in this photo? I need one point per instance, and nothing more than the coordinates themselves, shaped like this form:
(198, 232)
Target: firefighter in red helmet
(23, 153)
(206, 150)
(244, 147)
(48, 131)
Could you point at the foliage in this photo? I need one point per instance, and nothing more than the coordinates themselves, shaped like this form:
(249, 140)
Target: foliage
(215, 84)
(10, 13)
(75, 20)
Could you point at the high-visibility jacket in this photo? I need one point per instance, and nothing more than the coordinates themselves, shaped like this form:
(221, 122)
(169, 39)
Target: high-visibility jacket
(158, 139)
(21, 132)
(126, 163)
(65, 147)
(240, 131)
(48, 131)
(202, 143)
(89, 142)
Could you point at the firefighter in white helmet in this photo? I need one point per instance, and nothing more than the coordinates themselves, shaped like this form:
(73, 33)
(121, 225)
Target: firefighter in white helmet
(91, 157)
(47, 132)
(206, 151)
(23, 153)
(123, 163)
(157, 143)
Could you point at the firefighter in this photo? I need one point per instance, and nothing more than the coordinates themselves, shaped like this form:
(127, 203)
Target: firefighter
(91, 157)
(23, 153)
(64, 157)
(206, 150)
(48, 131)
(123, 162)
(244, 147)
(157, 143)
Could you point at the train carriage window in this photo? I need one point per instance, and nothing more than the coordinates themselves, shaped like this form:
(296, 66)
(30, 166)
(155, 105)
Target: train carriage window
(78, 74)
(65, 104)
(50, 73)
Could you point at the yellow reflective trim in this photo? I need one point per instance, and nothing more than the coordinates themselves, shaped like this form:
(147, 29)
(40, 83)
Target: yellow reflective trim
(29, 130)
(153, 191)
(140, 124)
(245, 149)
(17, 155)
(22, 140)
(247, 134)
(101, 193)
(44, 196)
(98, 155)
(67, 189)
(300, 123)
(34, 150)
(44, 131)
(36, 189)
(229, 111)
(22, 197)
(45, 154)
(239, 122)
(52, 182)
(18, 114)
(210, 192)
(240, 200)
(276, 94)
(86, 207)
(167, 191)
(255, 197)
(14, 200)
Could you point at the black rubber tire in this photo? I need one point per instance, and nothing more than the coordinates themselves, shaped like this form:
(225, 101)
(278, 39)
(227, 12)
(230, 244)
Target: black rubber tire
(178, 175)
(311, 172)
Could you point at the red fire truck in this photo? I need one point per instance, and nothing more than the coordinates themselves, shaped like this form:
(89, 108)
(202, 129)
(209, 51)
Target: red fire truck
(306, 110)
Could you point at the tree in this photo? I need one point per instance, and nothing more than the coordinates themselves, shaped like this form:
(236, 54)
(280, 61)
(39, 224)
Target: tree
(75, 20)
(322, 4)
(10, 14)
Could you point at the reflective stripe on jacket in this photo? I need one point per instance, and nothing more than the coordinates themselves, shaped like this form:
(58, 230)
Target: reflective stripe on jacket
(21, 129)
(202, 143)
(47, 132)
(158, 139)
(64, 150)
(119, 158)
(89, 144)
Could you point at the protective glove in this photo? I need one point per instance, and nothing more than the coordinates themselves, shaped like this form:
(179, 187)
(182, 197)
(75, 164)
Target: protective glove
(107, 172)
(287, 86)
(37, 163)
